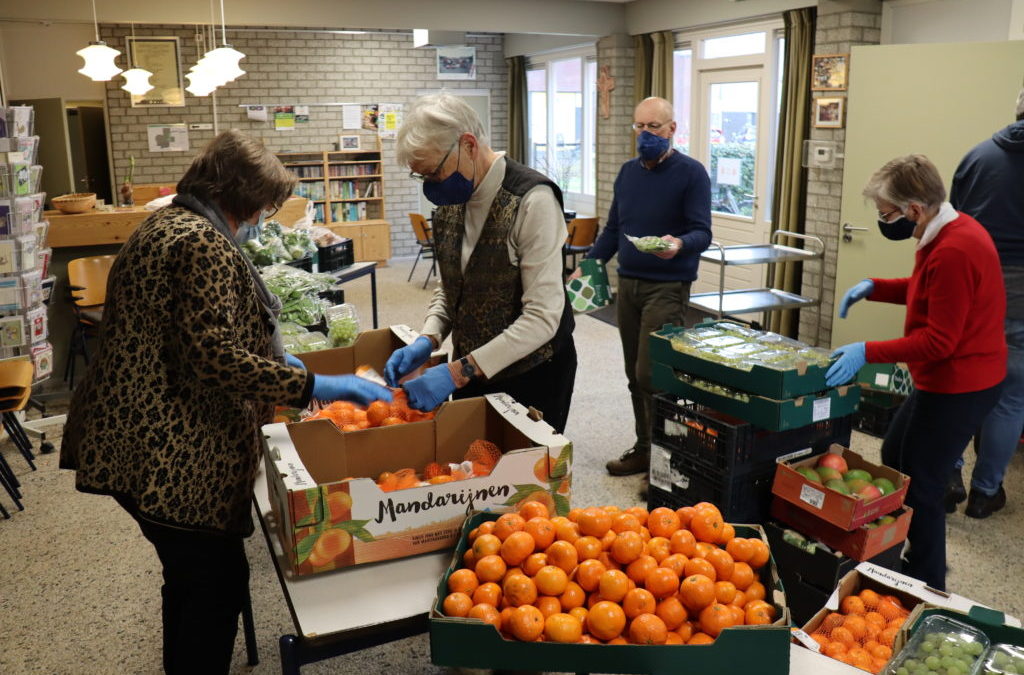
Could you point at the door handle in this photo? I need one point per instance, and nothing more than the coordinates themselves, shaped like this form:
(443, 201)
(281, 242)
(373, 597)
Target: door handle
(847, 229)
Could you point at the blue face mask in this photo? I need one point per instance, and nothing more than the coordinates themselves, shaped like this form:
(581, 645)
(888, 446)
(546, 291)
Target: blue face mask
(650, 146)
(455, 189)
(247, 231)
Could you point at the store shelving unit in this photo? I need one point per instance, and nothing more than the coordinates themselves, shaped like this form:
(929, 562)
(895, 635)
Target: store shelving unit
(347, 191)
(722, 303)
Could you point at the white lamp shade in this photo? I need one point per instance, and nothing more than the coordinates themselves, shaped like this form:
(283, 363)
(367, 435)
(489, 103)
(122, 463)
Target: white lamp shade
(222, 63)
(99, 62)
(199, 83)
(136, 81)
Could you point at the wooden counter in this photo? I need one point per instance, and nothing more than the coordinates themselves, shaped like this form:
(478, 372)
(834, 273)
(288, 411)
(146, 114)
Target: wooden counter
(94, 228)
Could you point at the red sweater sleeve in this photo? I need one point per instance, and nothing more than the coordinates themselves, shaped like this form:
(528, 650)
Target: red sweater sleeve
(890, 290)
(932, 333)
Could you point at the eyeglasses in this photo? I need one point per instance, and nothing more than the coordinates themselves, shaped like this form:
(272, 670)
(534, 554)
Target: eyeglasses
(651, 126)
(429, 176)
(271, 212)
(885, 216)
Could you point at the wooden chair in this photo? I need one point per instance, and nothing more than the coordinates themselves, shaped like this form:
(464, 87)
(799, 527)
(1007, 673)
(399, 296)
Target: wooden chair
(87, 282)
(15, 390)
(425, 238)
(582, 235)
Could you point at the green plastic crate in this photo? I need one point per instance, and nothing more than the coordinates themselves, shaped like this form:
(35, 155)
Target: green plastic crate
(764, 412)
(466, 643)
(767, 382)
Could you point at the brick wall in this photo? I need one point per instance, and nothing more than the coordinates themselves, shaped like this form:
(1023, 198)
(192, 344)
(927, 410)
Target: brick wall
(297, 68)
(615, 142)
(836, 33)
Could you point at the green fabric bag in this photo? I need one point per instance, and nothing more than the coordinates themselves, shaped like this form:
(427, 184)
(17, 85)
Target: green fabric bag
(590, 291)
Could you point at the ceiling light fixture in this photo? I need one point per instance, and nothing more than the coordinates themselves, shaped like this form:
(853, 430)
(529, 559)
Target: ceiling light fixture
(222, 62)
(136, 80)
(99, 58)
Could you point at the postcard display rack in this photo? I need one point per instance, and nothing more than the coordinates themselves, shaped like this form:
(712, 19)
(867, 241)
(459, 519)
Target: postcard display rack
(24, 258)
(346, 188)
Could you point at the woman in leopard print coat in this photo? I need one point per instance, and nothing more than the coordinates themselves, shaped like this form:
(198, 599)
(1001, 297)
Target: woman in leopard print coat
(167, 419)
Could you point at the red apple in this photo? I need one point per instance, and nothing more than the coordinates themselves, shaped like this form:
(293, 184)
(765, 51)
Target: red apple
(834, 461)
(869, 492)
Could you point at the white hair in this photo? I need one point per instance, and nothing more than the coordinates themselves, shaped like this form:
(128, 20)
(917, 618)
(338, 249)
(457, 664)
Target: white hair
(433, 123)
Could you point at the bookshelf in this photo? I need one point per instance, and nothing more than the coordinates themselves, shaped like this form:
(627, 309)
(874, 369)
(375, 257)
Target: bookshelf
(346, 188)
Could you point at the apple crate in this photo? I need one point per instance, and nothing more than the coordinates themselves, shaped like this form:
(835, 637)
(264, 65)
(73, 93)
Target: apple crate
(864, 543)
(844, 511)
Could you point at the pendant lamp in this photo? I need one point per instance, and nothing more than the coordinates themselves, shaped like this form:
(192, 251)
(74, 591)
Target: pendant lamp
(99, 58)
(136, 80)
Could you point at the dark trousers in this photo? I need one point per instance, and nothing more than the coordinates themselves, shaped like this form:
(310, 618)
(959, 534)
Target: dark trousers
(206, 583)
(925, 438)
(547, 387)
(644, 307)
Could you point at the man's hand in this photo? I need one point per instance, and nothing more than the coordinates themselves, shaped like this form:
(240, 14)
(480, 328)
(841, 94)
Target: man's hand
(576, 274)
(676, 247)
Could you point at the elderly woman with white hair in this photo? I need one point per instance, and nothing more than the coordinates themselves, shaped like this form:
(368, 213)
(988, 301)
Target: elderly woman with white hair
(498, 234)
(953, 343)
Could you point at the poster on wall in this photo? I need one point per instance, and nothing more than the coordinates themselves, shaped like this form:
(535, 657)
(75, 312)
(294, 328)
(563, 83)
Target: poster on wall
(301, 114)
(456, 63)
(167, 137)
(284, 118)
(162, 57)
(257, 113)
(351, 116)
(389, 119)
(370, 116)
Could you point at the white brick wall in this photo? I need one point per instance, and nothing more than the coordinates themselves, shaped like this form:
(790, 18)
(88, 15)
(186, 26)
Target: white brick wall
(296, 68)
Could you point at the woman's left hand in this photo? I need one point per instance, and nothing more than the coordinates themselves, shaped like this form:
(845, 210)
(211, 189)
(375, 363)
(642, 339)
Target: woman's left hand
(851, 359)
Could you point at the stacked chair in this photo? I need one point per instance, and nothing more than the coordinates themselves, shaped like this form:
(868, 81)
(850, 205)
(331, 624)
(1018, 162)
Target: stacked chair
(15, 389)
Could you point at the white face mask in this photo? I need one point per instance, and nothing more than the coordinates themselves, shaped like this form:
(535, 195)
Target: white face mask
(247, 231)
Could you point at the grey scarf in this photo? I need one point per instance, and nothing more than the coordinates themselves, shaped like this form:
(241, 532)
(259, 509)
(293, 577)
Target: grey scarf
(270, 303)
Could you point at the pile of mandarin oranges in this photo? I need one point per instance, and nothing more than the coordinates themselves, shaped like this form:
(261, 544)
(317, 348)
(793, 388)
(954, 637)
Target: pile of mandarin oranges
(861, 633)
(604, 575)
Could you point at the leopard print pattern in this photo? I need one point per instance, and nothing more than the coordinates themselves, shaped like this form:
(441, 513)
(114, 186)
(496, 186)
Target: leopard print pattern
(170, 409)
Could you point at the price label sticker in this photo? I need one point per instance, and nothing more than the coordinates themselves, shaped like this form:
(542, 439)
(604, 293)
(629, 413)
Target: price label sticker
(881, 379)
(661, 468)
(822, 409)
(813, 496)
(806, 640)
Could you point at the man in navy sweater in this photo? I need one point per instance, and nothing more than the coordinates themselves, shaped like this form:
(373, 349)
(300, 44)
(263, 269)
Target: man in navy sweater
(987, 186)
(662, 193)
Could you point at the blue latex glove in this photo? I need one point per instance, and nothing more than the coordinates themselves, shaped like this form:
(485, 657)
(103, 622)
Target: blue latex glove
(851, 360)
(430, 389)
(348, 388)
(857, 292)
(407, 359)
(293, 361)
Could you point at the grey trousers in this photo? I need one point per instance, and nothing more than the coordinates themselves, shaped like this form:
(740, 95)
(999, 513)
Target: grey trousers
(644, 307)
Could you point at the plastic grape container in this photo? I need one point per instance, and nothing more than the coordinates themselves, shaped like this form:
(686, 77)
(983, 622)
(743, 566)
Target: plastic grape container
(1002, 660)
(342, 324)
(940, 646)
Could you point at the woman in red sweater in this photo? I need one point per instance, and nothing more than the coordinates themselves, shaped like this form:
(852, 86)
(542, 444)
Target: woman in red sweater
(954, 343)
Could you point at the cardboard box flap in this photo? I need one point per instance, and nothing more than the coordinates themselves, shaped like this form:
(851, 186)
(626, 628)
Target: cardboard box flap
(900, 582)
(541, 433)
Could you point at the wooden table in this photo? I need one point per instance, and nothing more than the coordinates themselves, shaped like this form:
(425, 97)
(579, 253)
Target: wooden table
(95, 228)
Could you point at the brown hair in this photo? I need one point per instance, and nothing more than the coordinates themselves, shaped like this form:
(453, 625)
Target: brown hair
(238, 174)
(903, 180)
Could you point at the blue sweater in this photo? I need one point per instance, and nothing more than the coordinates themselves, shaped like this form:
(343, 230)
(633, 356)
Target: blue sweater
(672, 198)
(989, 186)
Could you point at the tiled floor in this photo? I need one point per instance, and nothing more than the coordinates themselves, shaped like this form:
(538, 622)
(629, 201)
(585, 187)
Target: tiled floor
(79, 587)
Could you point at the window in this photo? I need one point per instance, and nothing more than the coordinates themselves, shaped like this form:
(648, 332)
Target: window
(733, 45)
(561, 115)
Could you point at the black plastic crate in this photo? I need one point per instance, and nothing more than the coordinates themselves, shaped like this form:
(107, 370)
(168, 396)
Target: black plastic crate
(302, 263)
(741, 499)
(335, 296)
(876, 411)
(725, 443)
(335, 256)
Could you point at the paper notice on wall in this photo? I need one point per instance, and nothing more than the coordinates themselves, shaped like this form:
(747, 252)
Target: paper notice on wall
(167, 137)
(284, 118)
(257, 113)
(729, 169)
(389, 119)
(301, 114)
(351, 117)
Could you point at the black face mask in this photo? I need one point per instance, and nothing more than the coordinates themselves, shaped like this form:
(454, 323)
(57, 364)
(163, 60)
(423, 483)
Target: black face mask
(898, 230)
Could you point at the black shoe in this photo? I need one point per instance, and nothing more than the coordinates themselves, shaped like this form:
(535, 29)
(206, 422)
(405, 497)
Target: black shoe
(632, 461)
(956, 493)
(980, 505)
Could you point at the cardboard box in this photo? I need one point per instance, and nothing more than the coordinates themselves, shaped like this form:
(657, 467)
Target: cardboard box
(468, 643)
(861, 544)
(767, 382)
(843, 511)
(890, 377)
(809, 577)
(767, 413)
(308, 464)
(371, 348)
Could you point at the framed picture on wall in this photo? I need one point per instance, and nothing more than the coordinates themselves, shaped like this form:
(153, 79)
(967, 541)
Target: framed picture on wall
(456, 63)
(828, 72)
(348, 142)
(162, 57)
(828, 112)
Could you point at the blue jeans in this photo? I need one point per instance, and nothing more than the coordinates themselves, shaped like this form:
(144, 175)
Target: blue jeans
(1002, 428)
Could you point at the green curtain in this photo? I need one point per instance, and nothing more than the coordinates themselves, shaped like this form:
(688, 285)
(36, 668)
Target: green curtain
(663, 46)
(643, 56)
(517, 108)
(789, 198)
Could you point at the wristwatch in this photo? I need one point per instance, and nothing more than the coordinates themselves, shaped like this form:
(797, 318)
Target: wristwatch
(467, 369)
